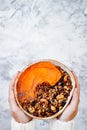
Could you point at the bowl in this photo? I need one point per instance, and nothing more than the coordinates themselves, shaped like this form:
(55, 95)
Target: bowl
(40, 75)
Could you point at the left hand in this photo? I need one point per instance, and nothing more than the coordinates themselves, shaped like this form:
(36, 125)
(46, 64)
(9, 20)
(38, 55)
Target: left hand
(15, 111)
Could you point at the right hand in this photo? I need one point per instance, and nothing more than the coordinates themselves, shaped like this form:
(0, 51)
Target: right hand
(15, 111)
(72, 109)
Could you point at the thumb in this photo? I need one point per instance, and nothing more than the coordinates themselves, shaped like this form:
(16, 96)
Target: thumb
(75, 100)
(11, 98)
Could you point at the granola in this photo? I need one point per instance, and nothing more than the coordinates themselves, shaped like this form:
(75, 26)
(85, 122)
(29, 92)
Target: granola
(49, 99)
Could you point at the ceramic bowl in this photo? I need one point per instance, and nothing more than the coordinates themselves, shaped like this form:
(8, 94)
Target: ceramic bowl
(56, 63)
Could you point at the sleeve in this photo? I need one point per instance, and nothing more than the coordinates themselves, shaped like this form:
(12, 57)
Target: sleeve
(59, 125)
(19, 126)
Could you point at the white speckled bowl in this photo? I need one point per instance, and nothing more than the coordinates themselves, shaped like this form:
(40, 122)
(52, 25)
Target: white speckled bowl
(69, 98)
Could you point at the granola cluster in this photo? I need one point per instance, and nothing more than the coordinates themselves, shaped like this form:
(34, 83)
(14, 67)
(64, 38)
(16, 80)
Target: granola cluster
(49, 99)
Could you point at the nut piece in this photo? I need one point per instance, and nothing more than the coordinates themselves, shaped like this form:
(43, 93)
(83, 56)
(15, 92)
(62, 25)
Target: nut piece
(53, 108)
(44, 100)
(59, 97)
(65, 78)
(60, 107)
(31, 109)
(65, 87)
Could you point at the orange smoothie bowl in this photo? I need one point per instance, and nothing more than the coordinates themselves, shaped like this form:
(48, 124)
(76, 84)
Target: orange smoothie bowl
(44, 89)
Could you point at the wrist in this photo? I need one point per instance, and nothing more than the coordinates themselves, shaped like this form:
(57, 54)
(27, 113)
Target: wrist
(65, 119)
(23, 121)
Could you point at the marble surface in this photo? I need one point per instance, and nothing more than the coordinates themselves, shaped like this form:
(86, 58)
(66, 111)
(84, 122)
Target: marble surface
(41, 29)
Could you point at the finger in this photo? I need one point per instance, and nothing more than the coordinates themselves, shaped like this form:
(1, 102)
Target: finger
(12, 83)
(76, 82)
(12, 101)
(13, 80)
(75, 100)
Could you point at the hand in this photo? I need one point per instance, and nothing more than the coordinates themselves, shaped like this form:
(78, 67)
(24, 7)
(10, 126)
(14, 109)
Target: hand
(15, 111)
(72, 109)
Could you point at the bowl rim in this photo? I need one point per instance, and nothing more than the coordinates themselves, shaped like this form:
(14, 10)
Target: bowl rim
(65, 68)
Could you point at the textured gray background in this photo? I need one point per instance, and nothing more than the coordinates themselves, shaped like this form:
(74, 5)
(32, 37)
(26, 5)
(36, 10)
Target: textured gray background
(38, 29)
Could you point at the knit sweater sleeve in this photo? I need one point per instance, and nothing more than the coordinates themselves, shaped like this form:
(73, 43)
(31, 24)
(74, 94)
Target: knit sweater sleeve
(54, 125)
(19, 126)
(59, 125)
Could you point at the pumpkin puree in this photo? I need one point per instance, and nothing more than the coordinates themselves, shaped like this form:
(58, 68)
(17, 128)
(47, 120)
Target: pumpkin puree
(36, 74)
